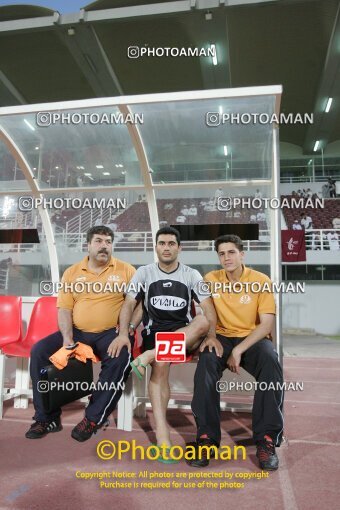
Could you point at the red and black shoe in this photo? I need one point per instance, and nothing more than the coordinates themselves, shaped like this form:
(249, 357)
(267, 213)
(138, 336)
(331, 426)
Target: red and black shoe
(40, 429)
(86, 428)
(265, 452)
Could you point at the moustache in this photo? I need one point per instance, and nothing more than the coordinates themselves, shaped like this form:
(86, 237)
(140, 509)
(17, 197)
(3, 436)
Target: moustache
(103, 251)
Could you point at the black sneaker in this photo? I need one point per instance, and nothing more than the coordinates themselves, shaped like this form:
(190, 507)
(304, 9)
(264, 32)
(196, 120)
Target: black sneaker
(42, 428)
(84, 430)
(265, 452)
(201, 455)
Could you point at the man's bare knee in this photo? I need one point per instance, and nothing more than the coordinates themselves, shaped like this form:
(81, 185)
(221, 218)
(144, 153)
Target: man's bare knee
(160, 371)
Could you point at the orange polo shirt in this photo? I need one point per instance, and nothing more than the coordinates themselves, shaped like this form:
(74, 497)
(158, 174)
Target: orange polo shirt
(238, 312)
(95, 311)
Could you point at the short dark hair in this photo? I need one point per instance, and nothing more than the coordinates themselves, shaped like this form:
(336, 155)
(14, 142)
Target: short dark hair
(229, 238)
(99, 229)
(169, 231)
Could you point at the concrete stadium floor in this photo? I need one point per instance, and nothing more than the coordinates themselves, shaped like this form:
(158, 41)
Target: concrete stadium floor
(311, 346)
(41, 474)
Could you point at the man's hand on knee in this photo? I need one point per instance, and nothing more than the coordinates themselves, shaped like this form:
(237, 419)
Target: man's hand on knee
(212, 343)
(117, 345)
(234, 360)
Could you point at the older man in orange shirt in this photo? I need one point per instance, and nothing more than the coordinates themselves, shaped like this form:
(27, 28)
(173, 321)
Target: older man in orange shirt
(89, 306)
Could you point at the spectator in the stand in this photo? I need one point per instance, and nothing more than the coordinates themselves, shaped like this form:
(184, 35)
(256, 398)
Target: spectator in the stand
(331, 185)
(113, 226)
(253, 218)
(306, 221)
(218, 194)
(307, 224)
(193, 210)
(168, 206)
(209, 206)
(296, 225)
(258, 194)
(56, 218)
(185, 210)
(294, 194)
(80, 181)
(316, 241)
(325, 191)
(237, 214)
(99, 221)
(299, 193)
(309, 193)
(333, 240)
(261, 216)
(181, 219)
(139, 199)
(336, 222)
(119, 236)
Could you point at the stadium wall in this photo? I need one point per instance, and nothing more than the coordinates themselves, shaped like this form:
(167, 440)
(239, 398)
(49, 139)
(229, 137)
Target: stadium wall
(316, 309)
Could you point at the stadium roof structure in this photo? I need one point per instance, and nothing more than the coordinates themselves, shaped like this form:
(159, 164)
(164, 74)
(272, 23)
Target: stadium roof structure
(47, 56)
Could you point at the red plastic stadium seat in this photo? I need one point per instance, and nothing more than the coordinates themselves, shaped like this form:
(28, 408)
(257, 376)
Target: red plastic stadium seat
(10, 313)
(136, 349)
(43, 322)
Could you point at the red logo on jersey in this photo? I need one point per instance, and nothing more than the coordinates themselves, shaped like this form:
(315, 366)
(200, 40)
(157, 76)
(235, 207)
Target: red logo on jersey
(170, 347)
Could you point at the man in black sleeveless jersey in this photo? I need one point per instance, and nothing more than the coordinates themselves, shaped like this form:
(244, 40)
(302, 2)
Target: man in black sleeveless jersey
(166, 289)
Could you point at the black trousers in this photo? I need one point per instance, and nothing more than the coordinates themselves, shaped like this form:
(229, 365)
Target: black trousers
(261, 361)
(113, 370)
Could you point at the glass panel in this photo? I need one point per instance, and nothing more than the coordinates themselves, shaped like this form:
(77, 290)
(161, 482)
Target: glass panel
(196, 140)
(22, 266)
(125, 212)
(71, 150)
(211, 206)
(11, 177)
(13, 215)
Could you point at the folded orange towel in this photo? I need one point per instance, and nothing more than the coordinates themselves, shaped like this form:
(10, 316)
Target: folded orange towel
(81, 352)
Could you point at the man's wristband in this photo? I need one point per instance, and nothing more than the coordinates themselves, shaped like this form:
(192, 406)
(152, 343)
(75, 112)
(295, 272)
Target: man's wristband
(131, 326)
